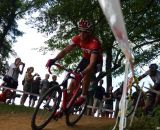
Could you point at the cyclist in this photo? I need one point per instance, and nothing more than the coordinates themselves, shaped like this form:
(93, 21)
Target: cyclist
(155, 76)
(91, 60)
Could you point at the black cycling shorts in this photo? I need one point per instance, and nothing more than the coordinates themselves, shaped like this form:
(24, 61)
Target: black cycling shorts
(85, 62)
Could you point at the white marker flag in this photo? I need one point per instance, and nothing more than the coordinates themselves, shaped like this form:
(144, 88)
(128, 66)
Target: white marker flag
(113, 13)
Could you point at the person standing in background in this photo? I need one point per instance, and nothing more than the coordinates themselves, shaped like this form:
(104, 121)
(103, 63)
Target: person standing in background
(34, 90)
(98, 98)
(53, 82)
(109, 98)
(45, 84)
(28, 80)
(117, 95)
(11, 78)
(91, 92)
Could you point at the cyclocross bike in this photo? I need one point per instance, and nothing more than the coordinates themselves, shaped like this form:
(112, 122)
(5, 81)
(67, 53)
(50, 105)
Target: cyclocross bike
(139, 97)
(135, 99)
(53, 104)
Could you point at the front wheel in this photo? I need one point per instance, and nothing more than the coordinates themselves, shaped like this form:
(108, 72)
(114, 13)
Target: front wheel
(46, 107)
(74, 113)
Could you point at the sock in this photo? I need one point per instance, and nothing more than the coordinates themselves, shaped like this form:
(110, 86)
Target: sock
(84, 96)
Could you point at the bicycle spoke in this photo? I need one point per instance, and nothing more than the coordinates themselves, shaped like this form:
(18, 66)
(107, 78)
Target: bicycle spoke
(75, 113)
(45, 109)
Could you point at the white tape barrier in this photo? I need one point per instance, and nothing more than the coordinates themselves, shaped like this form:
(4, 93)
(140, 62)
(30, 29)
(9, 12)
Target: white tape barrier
(20, 91)
(103, 109)
(113, 13)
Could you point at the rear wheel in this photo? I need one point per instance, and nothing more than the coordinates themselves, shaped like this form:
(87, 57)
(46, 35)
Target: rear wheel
(46, 107)
(132, 99)
(132, 103)
(74, 113)
(130, 107)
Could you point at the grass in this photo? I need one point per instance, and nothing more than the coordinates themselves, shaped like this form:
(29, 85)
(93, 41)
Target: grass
(140, 123)
(13, 110)
(6, 109)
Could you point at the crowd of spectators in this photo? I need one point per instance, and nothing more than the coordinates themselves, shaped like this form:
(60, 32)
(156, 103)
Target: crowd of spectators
(33, 85)
(100, 100)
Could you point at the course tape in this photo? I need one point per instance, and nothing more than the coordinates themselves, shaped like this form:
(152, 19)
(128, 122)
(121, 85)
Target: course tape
(103, 109)
(20, 91)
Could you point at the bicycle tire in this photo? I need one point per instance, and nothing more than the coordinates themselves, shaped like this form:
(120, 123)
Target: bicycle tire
(74, 113)
(132, 103)
(46, 108)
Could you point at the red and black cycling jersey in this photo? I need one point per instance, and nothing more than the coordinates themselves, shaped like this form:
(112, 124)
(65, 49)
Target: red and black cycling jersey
(91, 46)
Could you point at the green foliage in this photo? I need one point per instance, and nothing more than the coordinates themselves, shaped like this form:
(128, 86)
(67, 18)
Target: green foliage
(141, 18)
(58, 18)
(10, 12)
(8, 109)
(146, 122)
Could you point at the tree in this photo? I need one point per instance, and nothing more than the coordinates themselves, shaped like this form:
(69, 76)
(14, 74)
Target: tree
(142, 22)
(10, 12)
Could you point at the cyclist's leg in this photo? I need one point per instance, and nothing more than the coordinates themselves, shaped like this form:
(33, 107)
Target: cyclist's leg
(157, 97)
(86, 81)
(156, 100)
(81, 66)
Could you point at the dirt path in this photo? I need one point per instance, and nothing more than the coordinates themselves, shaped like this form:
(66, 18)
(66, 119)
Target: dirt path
(22, 122)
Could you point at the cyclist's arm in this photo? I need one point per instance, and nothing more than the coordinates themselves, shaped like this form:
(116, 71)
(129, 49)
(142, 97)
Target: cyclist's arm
(65, 51)
(143, 76)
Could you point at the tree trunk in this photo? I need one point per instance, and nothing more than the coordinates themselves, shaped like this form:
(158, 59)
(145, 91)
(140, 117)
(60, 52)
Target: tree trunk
(7, 27)
(109, 67)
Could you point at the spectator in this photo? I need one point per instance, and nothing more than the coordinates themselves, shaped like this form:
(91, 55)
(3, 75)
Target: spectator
(98, 96)
(35, 90)
(117, 95)
(154, 74)
(54, 81)
(11, 78)
(28, 83)
(45, 84)
(6, 94)
(91, 92)
(109, 102)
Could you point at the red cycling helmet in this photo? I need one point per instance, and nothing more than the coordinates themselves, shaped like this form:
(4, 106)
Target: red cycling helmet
(85, 25)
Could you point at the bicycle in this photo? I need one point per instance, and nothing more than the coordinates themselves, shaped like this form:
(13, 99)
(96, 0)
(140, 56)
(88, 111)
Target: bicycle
(135, 99)
(139, 98)
(48, 107)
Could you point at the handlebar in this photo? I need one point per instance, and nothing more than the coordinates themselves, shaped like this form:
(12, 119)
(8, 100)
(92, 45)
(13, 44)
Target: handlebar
(62, 67)
(59, 66)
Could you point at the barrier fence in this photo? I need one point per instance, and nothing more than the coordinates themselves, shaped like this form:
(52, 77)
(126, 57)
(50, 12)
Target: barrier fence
(20, 91)
(29, 93)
